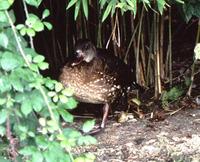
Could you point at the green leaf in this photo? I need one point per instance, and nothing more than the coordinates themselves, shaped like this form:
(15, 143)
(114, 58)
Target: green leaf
(71, 104)
(38, 59)
(28, 150)
(20, 26)
(51, 93)
(48, 25)
(2, 101)
(49, 83)
(71, 133)
(3, 40)
(107, 11)
(10, 61)
(53, 124)
(23, 31)
(180, 1)
(66, 115)
(31, 134)
(2, 132)
(79, 159)
(4, 84)
(42, 122)
(34, 3)
(86, 140)
(63, 99)
(26, 107)
(133, 4)
(102, 3)
(43, 65)
(16, 82)
(55, 98)
(37, 100)
(45, 13)
(3, 17)
(88, 126)
(38, 26)
(161, 5)
(67, 92)
(30, 32)
(34, 67)
(3, 116)
(71, 3)
(26, 74)
(32, 19)
(58, 87)
(2, 159)
(85, 8)
(4, 4)
(41, 142)
(90, 156)
(77, 9)
(37, 157)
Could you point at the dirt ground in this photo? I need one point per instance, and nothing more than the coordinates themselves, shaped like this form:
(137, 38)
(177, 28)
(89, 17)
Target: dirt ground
(177, 138)
(173, 138)
(159, 136)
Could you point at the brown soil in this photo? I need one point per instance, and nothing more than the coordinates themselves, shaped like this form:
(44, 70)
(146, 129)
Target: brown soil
(177, 138)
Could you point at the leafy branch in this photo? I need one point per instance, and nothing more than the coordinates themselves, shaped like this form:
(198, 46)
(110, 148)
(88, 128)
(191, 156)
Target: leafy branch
(28, 110)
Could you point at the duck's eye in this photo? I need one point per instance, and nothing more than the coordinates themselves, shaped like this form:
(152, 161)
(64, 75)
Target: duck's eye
(87, 46)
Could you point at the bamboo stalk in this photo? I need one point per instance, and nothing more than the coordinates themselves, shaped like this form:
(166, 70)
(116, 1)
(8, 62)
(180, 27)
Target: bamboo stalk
(134, 31)
(170, 48)
(138, 47)
(161, 46)
(155, 61)
(158, 56)
(113, 25)
(99, 28)
(149, 75)
(143, 60)
(86, 33)
(130, 43)
(193, 65)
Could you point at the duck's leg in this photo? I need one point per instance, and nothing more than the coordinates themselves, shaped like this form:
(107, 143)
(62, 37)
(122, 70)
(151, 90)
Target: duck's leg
(105, 114)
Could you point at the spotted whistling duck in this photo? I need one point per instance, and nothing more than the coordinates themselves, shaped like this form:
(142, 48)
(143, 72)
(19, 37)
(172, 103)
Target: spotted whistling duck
(97, 77)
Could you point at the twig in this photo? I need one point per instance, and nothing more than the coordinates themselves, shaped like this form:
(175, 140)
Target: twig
(12, 142)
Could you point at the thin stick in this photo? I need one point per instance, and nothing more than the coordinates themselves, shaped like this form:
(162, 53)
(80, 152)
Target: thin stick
(170, 47)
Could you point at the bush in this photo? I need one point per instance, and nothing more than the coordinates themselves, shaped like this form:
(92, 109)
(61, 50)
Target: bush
(33, 107)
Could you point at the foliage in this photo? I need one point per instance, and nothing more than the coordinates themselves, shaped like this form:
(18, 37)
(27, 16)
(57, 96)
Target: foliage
(191, 8)
(30, 119)
(172, 95)
(109, 7)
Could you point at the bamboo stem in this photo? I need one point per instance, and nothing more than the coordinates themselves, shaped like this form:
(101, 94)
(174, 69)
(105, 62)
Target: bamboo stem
(154, 51)
(150, 52)
(158, 57)
(138, 47)
(170, 48)
(161, 46)
(193, 65)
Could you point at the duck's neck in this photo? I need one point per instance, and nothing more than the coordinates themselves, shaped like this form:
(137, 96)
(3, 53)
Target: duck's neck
(91, 54)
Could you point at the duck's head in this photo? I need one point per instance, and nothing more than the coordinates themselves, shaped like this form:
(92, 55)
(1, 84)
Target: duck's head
(85, 50)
